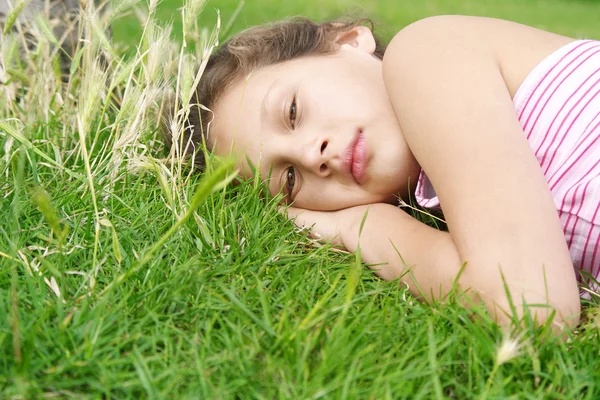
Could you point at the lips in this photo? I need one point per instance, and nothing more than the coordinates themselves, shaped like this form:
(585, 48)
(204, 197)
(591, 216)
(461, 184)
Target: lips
(355, 157)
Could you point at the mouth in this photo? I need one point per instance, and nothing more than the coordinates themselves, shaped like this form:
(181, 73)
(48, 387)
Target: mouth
(355, 157)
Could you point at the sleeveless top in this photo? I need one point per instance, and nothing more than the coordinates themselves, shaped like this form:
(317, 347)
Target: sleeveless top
(558, 107)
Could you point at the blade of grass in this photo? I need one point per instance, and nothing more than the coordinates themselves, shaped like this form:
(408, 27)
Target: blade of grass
(218, 179)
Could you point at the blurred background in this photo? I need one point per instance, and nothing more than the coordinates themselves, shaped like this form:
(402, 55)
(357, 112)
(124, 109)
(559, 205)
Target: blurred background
(576, 18)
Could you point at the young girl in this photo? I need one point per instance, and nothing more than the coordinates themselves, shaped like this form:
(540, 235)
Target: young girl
(495, 122)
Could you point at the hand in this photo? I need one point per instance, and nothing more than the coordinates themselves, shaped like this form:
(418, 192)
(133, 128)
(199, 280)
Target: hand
(330, 226)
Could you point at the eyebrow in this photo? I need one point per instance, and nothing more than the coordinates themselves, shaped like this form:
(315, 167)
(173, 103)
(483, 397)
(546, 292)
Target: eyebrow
(264, 108)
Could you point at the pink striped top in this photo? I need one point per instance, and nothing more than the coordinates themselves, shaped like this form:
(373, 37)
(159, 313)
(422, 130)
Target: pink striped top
(558, 106)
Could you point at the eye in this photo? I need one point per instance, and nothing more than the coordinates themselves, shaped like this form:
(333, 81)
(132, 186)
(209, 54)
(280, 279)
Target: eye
(293, 109)
(290, 180)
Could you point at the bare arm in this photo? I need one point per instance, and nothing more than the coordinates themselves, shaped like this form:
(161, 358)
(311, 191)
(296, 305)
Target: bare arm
(445, 82)
(392, 242)
(395, 245)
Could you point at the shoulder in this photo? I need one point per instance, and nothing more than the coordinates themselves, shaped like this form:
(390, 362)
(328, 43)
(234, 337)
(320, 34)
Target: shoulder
(514, 48)
(491, 32)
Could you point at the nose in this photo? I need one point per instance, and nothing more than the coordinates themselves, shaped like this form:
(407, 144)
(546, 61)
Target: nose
(315, 157)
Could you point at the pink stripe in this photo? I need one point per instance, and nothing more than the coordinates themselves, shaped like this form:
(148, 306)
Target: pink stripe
(551, 83)
(564, 136)
(592, 228)
(419, 191)
(574, 151)
(544, 78)
(429, 202)
(566, 229)
(578, 183)
(588, 127)
(551, 96)
(576, 212)
(553, 186)
(571, 232)
(594, 254)
(421, 177)
(558, 75)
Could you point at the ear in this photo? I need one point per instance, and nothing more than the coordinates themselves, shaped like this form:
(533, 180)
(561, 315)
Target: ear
(358, 38)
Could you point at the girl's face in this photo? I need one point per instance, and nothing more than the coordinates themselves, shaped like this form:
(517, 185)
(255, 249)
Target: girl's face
(320, 129)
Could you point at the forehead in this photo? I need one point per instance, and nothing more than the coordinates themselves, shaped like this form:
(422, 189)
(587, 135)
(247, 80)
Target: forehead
(236, 127)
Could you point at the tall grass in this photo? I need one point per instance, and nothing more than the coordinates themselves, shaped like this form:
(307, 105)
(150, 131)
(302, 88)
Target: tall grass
(86, 136)
(124, 273)
(107, 110)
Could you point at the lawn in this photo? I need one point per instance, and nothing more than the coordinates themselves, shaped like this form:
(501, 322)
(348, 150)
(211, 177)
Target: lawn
(123, 275)
(577, 18)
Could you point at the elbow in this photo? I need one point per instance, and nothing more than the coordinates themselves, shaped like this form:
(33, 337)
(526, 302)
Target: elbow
(524, 289)
(561, 315)
(568, 310)
(559, 302)
(560, 309)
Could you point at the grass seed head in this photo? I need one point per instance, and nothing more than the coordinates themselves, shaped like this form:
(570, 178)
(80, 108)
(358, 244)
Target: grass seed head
(191, 13)
(509, 349)
(14, 13)
(159, 55)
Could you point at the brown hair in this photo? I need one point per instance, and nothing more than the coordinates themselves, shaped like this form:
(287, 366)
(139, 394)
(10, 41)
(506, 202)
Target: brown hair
(254, 48)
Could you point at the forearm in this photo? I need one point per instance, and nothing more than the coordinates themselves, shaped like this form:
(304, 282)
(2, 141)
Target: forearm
(397, 245)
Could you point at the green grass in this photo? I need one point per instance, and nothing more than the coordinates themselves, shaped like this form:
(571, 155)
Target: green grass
(577, 18)
(229, 301)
